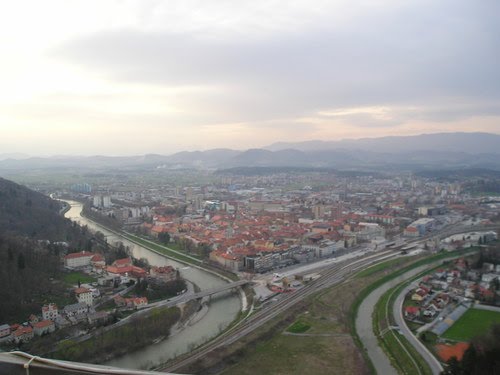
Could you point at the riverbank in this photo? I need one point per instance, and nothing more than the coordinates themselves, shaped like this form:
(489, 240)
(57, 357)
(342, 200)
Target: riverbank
(157, 248)
(103, 346)
(219, 316)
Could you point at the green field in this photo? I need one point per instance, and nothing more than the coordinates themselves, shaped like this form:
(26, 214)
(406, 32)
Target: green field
(299, 327)
(473, 323)
(72, 278)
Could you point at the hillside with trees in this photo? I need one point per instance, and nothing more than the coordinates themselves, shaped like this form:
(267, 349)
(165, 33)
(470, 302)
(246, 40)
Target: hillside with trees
(29, 213)
(33, 238)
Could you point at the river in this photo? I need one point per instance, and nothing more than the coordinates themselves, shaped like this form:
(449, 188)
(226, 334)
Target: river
(221, 313)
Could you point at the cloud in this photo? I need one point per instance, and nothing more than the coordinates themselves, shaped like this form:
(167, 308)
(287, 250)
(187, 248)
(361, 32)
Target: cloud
(203, 72)
(412, 55)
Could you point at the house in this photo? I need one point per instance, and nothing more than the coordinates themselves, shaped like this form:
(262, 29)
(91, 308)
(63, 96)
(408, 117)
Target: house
(411, 232)
(43, 327)
(84, 295)
(163, 274)
(124, 262)
(417, 297)
(119, 301)
(50, 311)
(488, 278)
(4, 332)
(99, 317)
(227, 260)
(32, 319)
(23, 334)
(76, 308)
(420, 294)
(429, 313)
(140, 302)
(98, 263)
(78, 260)
(411, 312)
(61, 322)
(133, 271)
(78, 318)
(106, 281)
(134, 302)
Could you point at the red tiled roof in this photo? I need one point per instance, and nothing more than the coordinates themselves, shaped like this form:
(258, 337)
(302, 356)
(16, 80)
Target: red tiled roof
(412, 310)
(22, 330)
(81, 290)
(122, 262)
(97, 258)
(52, 306)
(163, 269)
(79, 255)
(43, 324)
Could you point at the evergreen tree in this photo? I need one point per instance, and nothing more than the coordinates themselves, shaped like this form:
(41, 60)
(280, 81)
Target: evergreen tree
(21, 262)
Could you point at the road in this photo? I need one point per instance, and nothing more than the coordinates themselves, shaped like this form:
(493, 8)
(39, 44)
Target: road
(364, 323)
(331, 276)
(397, 312)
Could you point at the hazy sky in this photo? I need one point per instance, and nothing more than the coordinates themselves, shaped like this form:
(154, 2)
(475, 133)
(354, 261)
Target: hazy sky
(129, 77)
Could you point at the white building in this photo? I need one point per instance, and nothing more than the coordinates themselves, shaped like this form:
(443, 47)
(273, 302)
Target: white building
(50, 311)
(106, 201)
(84, 295)
(77, 260)
(43, 327)
(4, 332)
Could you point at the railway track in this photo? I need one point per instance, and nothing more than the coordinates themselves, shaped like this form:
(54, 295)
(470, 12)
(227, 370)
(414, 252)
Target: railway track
(331, 275)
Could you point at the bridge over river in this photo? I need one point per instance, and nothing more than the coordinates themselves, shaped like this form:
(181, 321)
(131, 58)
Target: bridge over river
(204, 293)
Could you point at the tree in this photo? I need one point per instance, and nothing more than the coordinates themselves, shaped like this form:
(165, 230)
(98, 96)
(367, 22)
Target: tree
(164, 237)
(480, 358)
(453, 368)
(21, 262)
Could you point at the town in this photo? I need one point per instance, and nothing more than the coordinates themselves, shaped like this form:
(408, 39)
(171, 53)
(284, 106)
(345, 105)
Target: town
(97, 303)
(277, 230)
(259, 223)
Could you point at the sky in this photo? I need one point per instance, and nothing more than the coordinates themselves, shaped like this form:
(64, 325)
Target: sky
(123, 77)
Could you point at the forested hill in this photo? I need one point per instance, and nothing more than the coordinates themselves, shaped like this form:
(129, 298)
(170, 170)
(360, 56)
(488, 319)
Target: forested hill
(28, 213)
(29, 268)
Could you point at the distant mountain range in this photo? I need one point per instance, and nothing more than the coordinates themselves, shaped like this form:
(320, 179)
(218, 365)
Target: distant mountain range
(474, 143)
(421, 152)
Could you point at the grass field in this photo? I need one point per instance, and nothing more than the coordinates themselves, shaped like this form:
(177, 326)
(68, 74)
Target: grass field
(190, 259)
(473, 323)
(299, 327)
(72, 278)
(326, 313)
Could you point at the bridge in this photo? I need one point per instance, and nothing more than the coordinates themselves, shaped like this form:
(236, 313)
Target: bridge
(204, 293)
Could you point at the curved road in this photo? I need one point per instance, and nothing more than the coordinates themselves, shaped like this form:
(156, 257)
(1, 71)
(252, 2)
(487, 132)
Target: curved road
(397, 312)
(364, 323)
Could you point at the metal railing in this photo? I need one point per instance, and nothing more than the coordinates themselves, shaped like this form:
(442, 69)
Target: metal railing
(20, 363)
